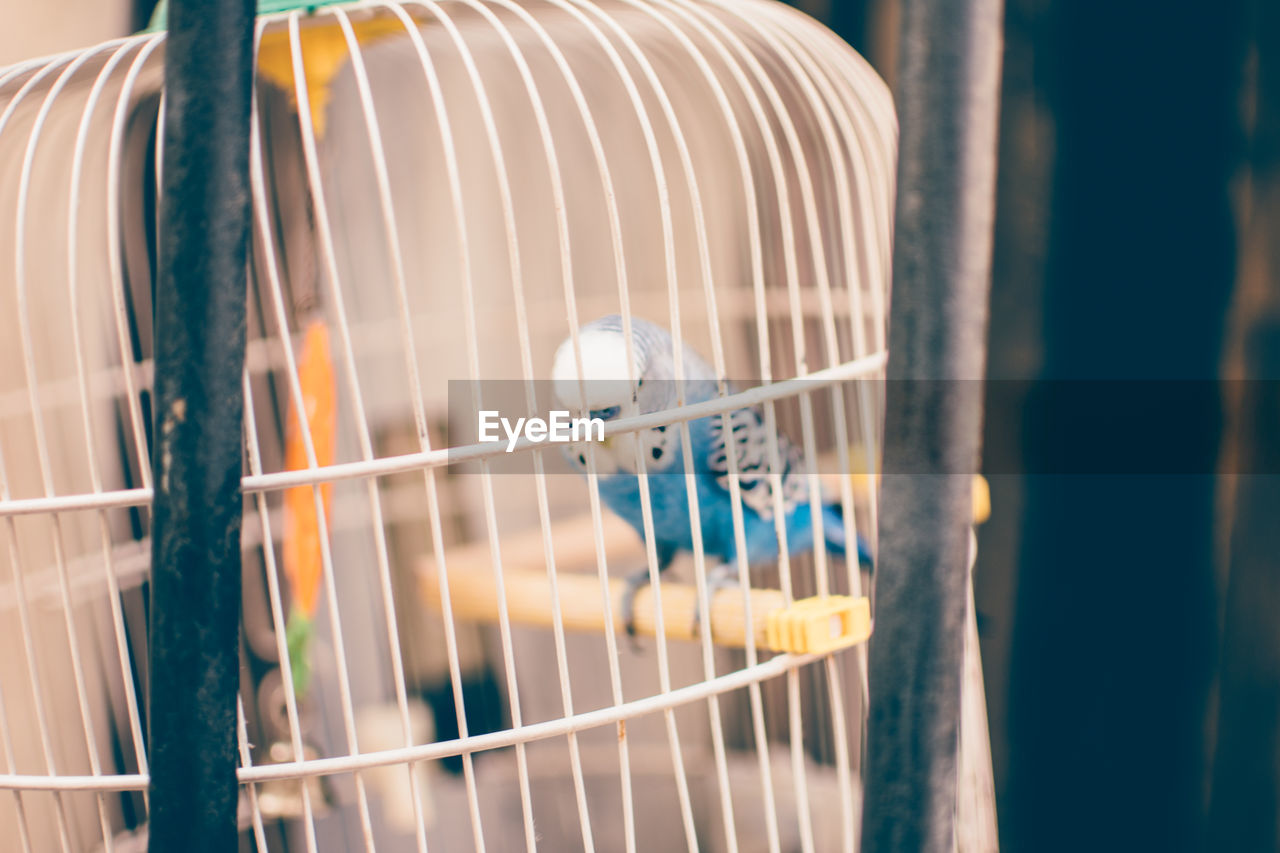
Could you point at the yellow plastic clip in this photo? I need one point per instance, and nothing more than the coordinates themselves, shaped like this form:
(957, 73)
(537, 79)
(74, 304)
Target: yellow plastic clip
(981, 499)
(324, 49)
(819, 624)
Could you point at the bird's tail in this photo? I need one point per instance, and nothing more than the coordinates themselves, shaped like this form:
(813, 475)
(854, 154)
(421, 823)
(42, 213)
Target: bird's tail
(833, 527)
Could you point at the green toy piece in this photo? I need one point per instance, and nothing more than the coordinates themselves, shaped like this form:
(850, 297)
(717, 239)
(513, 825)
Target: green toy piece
(297, 633)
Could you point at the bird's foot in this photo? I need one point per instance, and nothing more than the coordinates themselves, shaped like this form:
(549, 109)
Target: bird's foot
(719, 577)
(634, 582)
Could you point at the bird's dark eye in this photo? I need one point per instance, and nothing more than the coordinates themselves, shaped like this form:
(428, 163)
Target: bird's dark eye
(605, 414)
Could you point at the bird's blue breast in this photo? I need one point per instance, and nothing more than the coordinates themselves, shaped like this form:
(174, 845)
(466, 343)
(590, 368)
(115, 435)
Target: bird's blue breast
(671, 517)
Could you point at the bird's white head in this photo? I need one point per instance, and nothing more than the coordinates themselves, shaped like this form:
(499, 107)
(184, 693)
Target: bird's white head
(606, 381)
(616, 383)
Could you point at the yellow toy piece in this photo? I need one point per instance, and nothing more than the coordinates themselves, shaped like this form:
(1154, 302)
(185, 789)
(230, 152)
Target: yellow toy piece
(981, 499)
(862, 483)
(819, 624)
(324, 50)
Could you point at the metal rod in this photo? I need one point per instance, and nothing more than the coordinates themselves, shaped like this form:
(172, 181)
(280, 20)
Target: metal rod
(199, 410)
(947, 99)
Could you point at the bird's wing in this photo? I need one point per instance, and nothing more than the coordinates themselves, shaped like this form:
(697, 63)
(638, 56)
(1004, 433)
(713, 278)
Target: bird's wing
(751, 451)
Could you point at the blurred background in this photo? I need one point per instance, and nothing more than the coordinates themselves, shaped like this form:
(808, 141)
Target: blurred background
(1130, 621)
(1130, 612)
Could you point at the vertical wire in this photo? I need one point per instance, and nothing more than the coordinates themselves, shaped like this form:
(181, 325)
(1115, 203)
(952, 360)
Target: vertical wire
(246, 760)
(780, 182)
(792, 275)
(795, 718)
(449, 154)
(874, 105)
(276, 295)
(264, 520)
(872, 95)
(719, 366)
(113, 590)
(664, 675)
(615, 231)
(818, 257)
(880, 112)
(115, 263)
(6, 742)
(20, 598)
(362, 427)
(29, 651)
(433, 504)
(391, 229)
(438, 538)
(875, 262)
(852, 131)
(486, 481)
(517, 282)
(835, 690)
(840, 736)
(322, 224)
(786, 32)
(869, 118)
(718, 360)
(804, 817)
(43, 462)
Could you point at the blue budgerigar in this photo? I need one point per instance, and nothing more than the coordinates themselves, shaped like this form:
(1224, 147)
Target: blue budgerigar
(611, 393)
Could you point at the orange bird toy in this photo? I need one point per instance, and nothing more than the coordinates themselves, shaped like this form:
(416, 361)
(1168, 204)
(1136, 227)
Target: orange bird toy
(303, 561)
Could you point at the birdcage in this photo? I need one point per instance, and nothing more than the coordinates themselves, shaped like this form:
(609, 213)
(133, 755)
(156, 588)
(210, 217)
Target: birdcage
(433, 654)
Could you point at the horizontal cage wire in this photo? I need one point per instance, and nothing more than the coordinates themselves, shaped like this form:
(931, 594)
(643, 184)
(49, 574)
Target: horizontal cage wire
(435, 643)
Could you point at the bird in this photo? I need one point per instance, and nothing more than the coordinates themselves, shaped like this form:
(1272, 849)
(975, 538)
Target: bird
(608, 390)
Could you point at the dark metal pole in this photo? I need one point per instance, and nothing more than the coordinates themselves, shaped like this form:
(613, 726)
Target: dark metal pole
(947, 100)
(199, 410)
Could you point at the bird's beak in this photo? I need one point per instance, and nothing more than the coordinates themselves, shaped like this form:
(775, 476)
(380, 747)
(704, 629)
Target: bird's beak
(608, 443)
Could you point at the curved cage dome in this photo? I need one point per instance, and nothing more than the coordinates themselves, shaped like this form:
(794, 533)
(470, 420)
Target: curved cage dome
(442, 194)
